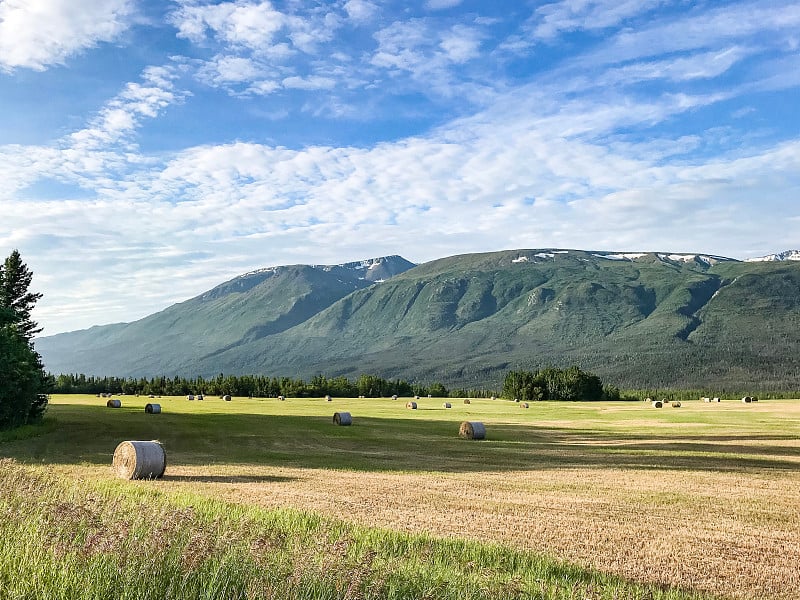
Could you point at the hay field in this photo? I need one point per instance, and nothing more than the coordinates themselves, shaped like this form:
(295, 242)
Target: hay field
(705, 497)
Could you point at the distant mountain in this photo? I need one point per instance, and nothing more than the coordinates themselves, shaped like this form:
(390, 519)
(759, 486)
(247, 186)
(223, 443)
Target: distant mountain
(256, 304)
(636, 318)
(787, 255)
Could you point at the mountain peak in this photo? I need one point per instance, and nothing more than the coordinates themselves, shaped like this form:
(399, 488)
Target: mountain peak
(380, 268)
(780, 256)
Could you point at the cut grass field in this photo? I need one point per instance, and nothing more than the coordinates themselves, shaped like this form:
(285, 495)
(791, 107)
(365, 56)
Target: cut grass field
(264, 498)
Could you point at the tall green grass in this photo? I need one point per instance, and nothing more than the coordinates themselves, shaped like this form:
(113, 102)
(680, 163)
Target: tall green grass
(81, 540)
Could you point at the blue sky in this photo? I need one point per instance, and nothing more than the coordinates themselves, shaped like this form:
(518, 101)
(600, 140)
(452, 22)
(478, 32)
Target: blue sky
(150, 150)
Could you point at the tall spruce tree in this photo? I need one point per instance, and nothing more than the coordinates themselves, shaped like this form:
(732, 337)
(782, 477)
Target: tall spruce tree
(15, 280)
(23, 382)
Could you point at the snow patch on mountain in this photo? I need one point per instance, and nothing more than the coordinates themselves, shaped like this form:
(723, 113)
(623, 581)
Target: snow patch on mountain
(708, 259)
(780, 256)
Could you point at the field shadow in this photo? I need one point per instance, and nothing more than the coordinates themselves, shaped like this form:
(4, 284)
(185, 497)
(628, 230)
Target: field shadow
(89, 435)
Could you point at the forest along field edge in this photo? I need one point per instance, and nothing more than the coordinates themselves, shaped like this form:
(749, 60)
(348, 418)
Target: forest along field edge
(702, 498)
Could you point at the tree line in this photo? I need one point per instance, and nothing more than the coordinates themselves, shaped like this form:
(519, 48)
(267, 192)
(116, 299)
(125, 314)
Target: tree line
(23, 382)
(255, 386)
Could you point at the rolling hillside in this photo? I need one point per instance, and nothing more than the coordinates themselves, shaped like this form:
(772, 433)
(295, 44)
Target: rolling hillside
(637, 319)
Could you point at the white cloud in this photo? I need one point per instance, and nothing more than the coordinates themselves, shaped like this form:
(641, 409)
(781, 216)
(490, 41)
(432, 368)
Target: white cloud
(312, 82)
(442, 4)
(553, 19)
(434, 58)
(710, 29)
(360, 11)
(250, 24)
(89, 156)
(35, 34)
(461, 43)
(264, 88)
(223, 70)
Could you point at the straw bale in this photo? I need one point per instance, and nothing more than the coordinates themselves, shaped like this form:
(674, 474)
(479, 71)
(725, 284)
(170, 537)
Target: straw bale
(676, 405)
(114, 403)
(411, 405)
(523, 405)
(467, 401)
(140, 460)
(227, 397)
(747, 400)
(472, 430)
(342, 418)
(152, 409)
(447, 405)
(328, 398)
(657, 403)
(190, 397)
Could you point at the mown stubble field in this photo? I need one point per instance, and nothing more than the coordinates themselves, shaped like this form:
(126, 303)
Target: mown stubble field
(704, 497)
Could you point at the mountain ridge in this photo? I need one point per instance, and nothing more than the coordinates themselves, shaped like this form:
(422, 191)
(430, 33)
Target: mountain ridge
(640, 318)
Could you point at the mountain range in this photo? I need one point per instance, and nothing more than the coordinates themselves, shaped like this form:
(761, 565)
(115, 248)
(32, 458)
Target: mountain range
(638, 319)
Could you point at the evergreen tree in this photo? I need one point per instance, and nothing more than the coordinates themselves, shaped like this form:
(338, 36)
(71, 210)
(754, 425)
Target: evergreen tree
(15, 279)
(23, 381)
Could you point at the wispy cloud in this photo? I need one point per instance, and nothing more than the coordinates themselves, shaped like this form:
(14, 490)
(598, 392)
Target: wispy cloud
(552, 20)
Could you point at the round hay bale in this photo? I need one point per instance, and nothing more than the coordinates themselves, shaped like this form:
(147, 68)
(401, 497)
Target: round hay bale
(140, 460)
(747, 400)
(416, 397)
(676, 405)
(704, 399)
(467, 401)
(648, 399)
(114, 403)
(151, 396)
(493, 398)
(190, 397)
(342, 418)
(447, 405)
(412, 405)
(394, 397)
(281, 398)
(715, 399)
(472, 430)
(227, 397)
(523, 405)
(328, 398)
(199, 396)
(152, 409)
(657, 404)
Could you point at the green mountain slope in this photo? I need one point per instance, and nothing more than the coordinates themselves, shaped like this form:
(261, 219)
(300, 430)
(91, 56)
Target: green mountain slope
(251, 306)
(636, 319)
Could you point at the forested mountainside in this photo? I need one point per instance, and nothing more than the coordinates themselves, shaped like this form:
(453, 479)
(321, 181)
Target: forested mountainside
(637, 319)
